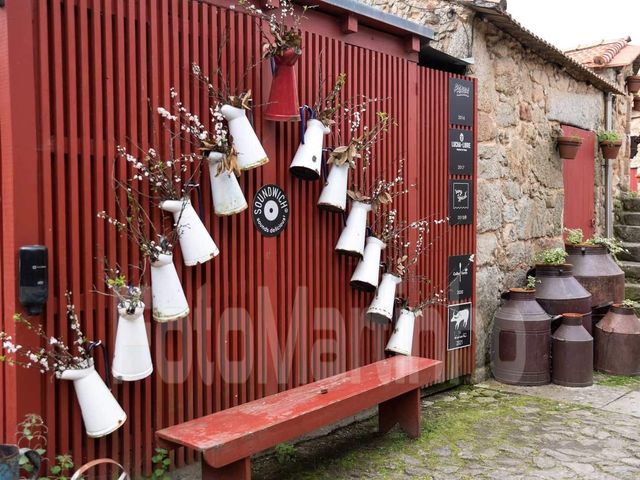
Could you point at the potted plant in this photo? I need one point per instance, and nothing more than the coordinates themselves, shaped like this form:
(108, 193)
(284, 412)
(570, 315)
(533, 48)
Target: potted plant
(610, 143)
(168, 298)
(401, 339)
(568, 146)
(352, 238)
(234, 108)
(219, 152)
(344, 157)
(101, 412)
(402, 255)
(307, 161)
(633, 83)
(131, 354)
(163, 177)
(551, 256)
(283, 47)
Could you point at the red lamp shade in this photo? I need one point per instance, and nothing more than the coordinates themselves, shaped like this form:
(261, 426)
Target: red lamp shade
(283, 97)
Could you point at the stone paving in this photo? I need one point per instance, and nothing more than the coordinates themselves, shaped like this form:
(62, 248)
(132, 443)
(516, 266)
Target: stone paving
(489, 431)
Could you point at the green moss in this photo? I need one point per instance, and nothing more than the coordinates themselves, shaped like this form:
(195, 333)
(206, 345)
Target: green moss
(616, 380)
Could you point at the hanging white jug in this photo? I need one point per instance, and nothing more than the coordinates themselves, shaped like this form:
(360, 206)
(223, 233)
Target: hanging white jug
(131, 353)
(101, 412)
(367, 273)
(401, 340)
(250, 152)
(225, 189)
(195, 242)
(381, 308)
(351, 241)
(334, 193)
(307, 161)
(169, 301)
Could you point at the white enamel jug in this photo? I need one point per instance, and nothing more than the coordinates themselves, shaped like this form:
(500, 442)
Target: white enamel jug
(250, 152)
(225, 190)
(195, 242)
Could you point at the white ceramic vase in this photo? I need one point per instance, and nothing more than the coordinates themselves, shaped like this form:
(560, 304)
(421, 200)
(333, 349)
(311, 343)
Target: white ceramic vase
(307, 161)
(352, 238)
(381, 308)
(169, 301)
(225, 189)
(250, 152)
(195, 242)
(334, 193)
(131, 354)
(101, 412)
(401, 340)
(367, 273)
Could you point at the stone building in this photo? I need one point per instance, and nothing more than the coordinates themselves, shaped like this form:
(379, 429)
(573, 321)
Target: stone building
(528, 90)
(616, 60)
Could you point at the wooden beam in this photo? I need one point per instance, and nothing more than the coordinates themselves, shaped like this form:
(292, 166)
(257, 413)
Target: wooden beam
(349, 24)
(412, 44)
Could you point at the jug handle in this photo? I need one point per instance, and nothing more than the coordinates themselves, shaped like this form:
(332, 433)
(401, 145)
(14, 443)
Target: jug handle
(324, 166)
(91, 348)
(304, 109)
(35, 459)
(87, 466)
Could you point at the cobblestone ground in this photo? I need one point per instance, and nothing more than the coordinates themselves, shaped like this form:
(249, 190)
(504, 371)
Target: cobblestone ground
(488, 432)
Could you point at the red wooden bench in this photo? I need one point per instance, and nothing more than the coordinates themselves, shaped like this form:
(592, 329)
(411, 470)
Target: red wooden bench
(227, 439)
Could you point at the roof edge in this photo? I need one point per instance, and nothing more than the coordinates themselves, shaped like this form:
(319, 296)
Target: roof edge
(506, 23)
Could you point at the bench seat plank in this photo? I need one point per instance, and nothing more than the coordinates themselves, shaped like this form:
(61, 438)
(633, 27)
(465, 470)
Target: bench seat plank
(239, 432)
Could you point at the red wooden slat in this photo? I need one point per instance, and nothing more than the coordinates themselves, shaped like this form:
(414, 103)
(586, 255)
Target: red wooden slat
(97, 64)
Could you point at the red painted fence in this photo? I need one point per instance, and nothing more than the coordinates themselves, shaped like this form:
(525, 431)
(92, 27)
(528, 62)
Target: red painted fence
(78, 78)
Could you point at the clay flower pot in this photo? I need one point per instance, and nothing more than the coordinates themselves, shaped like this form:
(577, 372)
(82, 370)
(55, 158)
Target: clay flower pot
(633, 84)
(569, 146)
(610, 149)
(283, 96)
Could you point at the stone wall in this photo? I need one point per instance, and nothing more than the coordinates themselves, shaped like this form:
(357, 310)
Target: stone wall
(522, 101)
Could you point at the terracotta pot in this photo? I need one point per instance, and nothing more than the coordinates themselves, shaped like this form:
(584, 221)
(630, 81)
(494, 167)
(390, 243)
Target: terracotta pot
(617, 342)
(633, 84)
(610, 149)
(636, 104)
(283, 96)
(569, 146)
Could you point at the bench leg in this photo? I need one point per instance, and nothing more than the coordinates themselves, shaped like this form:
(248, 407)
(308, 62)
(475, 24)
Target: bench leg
(404, 410)
(240, 470)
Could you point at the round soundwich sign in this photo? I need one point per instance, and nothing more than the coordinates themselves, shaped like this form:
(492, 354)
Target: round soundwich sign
(270, 210)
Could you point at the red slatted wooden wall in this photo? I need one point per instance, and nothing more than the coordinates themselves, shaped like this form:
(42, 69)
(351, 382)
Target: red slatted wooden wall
(100, 68)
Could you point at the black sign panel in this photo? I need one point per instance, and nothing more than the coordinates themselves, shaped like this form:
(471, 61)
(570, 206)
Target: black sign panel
(270, 210)
(460, 152)
(460, 202)
(460, 102)
(459, 329)
(460, 277)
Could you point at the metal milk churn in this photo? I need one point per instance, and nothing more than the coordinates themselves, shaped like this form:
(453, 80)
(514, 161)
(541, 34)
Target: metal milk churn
(521, 343)
(617, 342)
(572, 353)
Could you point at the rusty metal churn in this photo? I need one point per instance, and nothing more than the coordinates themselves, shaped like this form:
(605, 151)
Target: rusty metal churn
(572, 353)
(521, 340)
(617, 342)
(557, 291)
(597, 271)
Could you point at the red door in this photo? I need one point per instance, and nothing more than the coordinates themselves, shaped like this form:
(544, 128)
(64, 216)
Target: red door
(579, 184)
